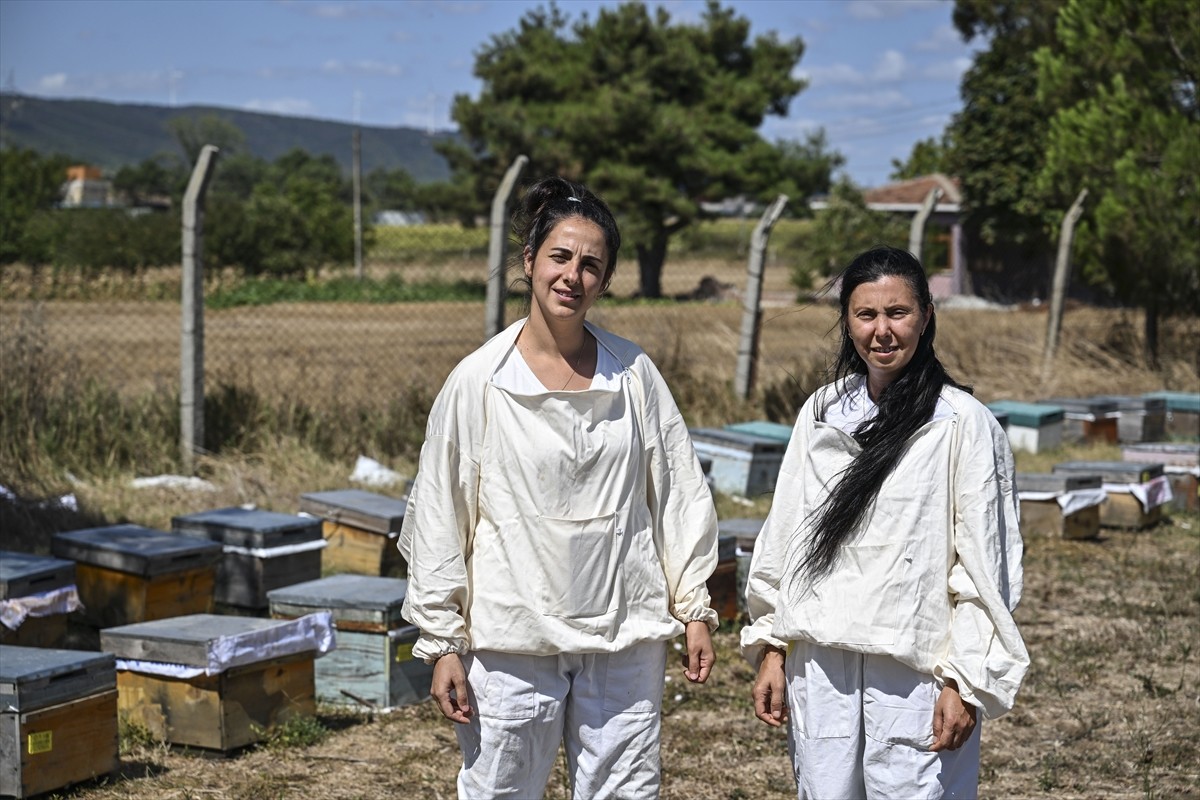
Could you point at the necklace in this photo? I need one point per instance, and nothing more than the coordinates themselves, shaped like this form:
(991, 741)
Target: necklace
(574, 368)
(572, 363)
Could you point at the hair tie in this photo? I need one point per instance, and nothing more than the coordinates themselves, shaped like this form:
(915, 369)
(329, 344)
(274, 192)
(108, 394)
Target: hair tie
(573, 199)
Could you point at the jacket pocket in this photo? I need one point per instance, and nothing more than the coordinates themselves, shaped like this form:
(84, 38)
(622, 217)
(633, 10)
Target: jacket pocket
(578, 560)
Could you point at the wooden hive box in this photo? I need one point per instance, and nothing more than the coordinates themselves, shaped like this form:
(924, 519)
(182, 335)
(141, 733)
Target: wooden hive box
(742, 464)
(1139, 419)
(744, 532)
(1063, 505)
(263, 550)
(373, 663)
(58, 718)
(1031, 427)
(1181, 465)
(361, 529)
(1086, 419)
(1136, 492)
(128, 573)
(217, 682)
(37, 594)
(1183, 414)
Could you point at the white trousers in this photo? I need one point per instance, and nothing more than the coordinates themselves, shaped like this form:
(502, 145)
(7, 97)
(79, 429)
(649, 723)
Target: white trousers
(603, 707)
(862, 725)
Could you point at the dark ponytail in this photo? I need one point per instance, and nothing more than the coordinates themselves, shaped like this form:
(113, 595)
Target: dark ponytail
(902, 408)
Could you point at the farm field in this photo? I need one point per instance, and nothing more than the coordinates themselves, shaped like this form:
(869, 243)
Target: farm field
(1110, 708)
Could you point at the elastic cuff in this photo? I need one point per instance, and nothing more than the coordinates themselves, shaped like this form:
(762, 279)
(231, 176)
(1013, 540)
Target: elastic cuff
(703, 614)
(431, 648)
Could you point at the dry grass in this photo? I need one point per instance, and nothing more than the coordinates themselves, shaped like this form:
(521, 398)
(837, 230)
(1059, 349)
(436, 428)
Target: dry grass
(1111, 705)
(1110, 708)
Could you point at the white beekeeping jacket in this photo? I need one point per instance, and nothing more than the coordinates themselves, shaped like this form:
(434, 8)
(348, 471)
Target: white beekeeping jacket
(935, 573)
(548, 522)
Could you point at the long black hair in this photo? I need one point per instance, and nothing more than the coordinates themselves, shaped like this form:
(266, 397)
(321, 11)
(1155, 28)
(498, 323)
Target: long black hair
(553, 199)
(904, 406)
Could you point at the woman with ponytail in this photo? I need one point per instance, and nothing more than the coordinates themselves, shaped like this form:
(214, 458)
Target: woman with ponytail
(559, 532)
(883, 582)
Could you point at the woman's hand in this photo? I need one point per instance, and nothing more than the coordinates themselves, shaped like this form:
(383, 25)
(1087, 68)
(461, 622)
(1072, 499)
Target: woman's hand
(770, 694)
(699, 659)
(449, 688)
(953, 720)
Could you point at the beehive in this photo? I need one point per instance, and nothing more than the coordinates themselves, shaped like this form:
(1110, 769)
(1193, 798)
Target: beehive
(217, 682)
(58, 718)
(742, 464)
(373, 664)
(129, 573)
(37, 594)
(1181, 465)
(262, 550)
(1139, 419)
(1031, 427)
(1135, 492)
(744, 533)
(1063, 505)
(1183, 414)
(361, 529)
(1087, 419)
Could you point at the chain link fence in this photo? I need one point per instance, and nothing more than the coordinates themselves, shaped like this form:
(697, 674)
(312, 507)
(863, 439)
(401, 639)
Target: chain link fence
(125, 332)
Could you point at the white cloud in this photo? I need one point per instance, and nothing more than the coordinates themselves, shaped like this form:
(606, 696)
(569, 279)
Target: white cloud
(877, 101)
(832, 75)
(147, 82)
(887, 9)
(287, 106)
(891, 67)
(52, 83)
(943, 39)
(947, 70)
(334, 66)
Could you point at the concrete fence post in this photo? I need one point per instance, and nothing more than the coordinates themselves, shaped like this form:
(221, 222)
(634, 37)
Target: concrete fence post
(191, 366)
(497, 289)
(1062, 272)
(916, 230)
(751, 310)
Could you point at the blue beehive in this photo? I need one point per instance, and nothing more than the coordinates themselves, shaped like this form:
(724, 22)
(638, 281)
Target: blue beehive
(742, 464)
(373, 663)
(1031, 426)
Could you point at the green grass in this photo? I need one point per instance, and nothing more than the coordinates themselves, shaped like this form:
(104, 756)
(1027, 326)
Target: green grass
(343, 289)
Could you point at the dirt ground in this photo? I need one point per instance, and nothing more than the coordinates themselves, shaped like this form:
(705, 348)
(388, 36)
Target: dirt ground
(1109, 709)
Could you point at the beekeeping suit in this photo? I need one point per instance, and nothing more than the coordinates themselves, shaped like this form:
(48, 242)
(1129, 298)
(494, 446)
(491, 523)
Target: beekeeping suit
(571, 525)
(923, 593)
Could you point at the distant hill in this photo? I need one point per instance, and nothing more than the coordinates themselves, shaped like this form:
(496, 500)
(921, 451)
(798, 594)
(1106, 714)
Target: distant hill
(113, 135)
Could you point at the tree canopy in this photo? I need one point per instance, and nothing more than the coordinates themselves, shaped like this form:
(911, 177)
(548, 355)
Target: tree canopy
(655, 116)
(1123, 79)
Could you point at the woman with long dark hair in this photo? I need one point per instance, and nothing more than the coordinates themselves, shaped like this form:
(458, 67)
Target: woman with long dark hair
(559, 533)
(883, 582)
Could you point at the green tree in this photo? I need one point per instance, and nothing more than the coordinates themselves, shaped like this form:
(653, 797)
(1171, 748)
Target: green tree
(844, 228)
(1123, 78)
(29, 183)
(927, 157)
(655, 116)
(156, 177)
(192, 132)
(1000, 134)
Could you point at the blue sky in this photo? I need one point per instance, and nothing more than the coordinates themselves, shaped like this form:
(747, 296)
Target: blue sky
(882, 74)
